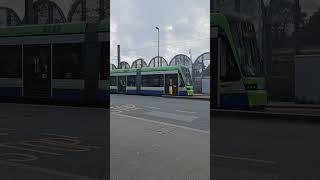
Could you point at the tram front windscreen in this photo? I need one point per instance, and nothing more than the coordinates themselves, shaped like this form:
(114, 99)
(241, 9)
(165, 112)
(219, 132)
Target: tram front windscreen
(246, 42)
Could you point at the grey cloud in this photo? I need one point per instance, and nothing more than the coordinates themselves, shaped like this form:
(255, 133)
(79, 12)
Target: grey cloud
(136, 21)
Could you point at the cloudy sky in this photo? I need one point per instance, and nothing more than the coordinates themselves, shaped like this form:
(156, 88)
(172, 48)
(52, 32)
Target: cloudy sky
(184, 25)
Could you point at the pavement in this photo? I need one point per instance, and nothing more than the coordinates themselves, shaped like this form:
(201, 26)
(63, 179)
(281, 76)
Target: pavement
(292, 105)
(293, 108)
(275, 107)
(194, 97)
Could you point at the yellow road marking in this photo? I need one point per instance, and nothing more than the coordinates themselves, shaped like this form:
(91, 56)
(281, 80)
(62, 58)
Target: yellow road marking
(28, 149)
(28, 156)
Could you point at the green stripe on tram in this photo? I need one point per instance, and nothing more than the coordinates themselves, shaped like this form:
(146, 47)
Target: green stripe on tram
(104, 26)
(218, 19)
(147, 69)
(50, 29)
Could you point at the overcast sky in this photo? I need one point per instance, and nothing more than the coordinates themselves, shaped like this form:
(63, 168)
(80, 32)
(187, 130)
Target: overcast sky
(184, 25)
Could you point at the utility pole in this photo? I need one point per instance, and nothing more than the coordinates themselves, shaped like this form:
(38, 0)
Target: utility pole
(158, 47)
(29, 12)
(83, 10)
(267, 40)
(191, 63)
(118, 56)
(296, 24)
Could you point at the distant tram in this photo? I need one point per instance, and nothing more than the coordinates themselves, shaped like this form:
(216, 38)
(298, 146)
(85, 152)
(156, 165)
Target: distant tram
(57, 62)
(152, 81)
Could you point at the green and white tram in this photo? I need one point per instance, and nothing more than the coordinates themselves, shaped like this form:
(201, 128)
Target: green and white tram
(235, 54)
(152, 81)
(56, 62)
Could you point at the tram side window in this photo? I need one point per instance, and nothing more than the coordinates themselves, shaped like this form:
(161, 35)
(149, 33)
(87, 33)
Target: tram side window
(113, 81)
(131, 81)
(67, 61)
(152, 80)
(11, 61)
(229, 68)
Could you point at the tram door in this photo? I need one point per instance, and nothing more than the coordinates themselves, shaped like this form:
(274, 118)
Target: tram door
(37, 71)
(174, 79)
(122, 84)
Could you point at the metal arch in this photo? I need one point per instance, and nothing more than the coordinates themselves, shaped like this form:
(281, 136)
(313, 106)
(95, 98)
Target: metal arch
(162, 59)
(11, 11)
(112, 66)
(125, 64)
(197, 59)
(198, 65)
(40, 2)
(179, 55)
(73, 9)
(135, 63)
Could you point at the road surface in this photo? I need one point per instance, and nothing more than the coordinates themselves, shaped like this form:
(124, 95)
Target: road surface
(187, 113)
(258, 148)
(159, 138)
(151, 138)
(69, 140)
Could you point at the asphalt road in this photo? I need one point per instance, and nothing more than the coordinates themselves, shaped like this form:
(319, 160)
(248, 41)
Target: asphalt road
(69, 140)
(72, 140)
(187, 113)
(258, 148)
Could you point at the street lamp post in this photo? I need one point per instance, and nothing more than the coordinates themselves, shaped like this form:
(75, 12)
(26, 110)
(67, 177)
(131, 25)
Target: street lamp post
(158, 45)
(296, 24)
(267, 40)
(28, 11)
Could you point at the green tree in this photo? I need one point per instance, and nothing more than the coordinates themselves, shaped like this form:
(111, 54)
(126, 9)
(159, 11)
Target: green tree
(283, 15)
